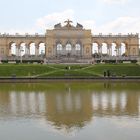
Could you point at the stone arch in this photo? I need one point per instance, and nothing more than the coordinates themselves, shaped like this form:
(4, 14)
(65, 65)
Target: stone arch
(41, 48)
(114, 53)
(97, 42)
(27, 48)
(104, 48)
(12, 48)
(68, 42)
(123, 49)
(117, 50)
(10, 43)
(21, 42)
(58, 42)
(31, 47)
(78, 42)
(68, 49)
(116, 42)
(22, 47)
(68, 46)
(95, 49)
(59, 49)
(78, 49)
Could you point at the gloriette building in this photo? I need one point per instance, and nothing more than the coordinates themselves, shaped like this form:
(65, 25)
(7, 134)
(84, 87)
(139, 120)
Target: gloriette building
(69, 43)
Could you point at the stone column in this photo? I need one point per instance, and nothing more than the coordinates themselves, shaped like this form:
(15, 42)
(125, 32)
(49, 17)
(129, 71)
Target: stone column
(91, 50)
(36, 50)
(73, 51)
(120, 52)
(129, 52)
(54, 51)
(17, 51)
(100, 49)
(117, 50)
(110, 50)
(27, 50)
(62, 52)
(10, 51)
(46, 50)
(49, 51)
(82, 50)
(88, 50)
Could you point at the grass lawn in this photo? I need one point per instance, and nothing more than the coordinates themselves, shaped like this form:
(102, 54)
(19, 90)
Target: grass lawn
(61, 70)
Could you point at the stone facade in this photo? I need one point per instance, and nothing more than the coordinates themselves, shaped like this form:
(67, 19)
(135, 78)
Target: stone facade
(69, 41)
(74, 41)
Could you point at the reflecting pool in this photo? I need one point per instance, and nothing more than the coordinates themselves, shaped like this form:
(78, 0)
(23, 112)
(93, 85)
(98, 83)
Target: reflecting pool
(70, 110)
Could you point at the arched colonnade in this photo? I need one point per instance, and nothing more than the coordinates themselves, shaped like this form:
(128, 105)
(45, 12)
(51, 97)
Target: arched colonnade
(115, 45)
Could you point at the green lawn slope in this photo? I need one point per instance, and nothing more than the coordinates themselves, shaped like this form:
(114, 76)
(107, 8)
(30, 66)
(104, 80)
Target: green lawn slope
(61, 70)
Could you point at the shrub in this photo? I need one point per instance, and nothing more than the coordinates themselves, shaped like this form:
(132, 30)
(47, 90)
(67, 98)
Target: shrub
(4, 61)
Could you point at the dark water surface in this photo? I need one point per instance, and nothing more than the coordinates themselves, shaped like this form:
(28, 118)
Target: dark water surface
(70, 111)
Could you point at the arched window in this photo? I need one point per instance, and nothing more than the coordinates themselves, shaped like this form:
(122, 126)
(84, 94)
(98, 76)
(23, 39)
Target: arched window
(68, 47)
(59, 47)
(77, 47)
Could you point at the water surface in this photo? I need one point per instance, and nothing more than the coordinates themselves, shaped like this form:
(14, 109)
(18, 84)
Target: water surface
(73, 111)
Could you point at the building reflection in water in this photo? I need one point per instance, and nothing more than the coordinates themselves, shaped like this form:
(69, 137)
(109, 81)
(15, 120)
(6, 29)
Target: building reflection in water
(68, 108)
(27, 103)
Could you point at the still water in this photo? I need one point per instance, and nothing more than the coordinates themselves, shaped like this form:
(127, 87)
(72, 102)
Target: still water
(70, 111)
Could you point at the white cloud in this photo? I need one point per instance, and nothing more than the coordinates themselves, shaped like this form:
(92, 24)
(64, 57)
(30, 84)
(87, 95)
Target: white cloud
(115, 1)
(121, 25)
(88, 24)
(50, 20)
(44, 23)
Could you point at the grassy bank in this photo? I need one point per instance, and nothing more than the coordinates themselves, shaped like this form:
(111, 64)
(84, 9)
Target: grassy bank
(56, 70)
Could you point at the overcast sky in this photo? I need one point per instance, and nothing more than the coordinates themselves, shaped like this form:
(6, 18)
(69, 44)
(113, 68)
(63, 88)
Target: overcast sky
(106, 16)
